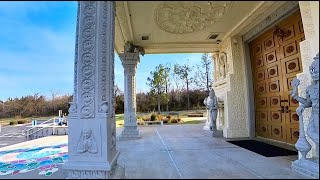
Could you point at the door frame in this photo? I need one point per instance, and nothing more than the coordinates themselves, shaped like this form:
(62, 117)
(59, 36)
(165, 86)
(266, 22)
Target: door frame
(278, 15)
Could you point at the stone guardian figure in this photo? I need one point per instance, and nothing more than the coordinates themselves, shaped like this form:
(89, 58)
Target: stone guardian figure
(212, 105)
(311, 100)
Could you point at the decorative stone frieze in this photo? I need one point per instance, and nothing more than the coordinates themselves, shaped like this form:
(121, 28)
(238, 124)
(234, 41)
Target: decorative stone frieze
(279, 13)
(187, 17)
(92, 146)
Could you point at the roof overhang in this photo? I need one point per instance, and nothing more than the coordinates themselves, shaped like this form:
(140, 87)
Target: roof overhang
(185, 26)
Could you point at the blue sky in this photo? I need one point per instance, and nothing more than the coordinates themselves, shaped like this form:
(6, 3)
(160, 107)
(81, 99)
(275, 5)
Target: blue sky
(37, 50)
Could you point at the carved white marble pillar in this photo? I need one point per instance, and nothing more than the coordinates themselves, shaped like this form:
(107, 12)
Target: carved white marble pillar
(92, 131)
(130, 61)
(220, 116)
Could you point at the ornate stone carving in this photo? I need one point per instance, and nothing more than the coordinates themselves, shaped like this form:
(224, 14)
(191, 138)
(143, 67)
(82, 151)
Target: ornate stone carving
(311, 100)
(104, 47)
(87, 174)
(215, 57)
(131, 48)
(222, 65)
(181, 17)
(75, 93)
(87, 142)
(113, 135)
(271, 19)
(103, 108)
(88, 62)
(307, 19)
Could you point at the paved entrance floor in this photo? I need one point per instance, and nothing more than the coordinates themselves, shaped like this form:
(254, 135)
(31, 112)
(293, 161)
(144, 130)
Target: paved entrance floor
(169, 151)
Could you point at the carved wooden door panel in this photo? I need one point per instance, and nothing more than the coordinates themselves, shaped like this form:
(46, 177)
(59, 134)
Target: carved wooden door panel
(276, 60)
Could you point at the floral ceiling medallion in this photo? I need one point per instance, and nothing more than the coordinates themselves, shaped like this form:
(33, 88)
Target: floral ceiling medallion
(180, 17)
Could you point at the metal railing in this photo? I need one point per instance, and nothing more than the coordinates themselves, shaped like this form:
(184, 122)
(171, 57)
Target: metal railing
(27, 134)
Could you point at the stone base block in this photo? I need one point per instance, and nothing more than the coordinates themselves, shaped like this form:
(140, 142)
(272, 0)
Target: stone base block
(117, 172)
(131, 132)
(206, 127)
(217, 133)
(306, 167)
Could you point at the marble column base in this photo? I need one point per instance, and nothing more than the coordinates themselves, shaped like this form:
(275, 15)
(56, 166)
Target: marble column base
(129, 132)
(217, 133)
(306, 167)
(207, 126)
(117, 172)
(95, 170)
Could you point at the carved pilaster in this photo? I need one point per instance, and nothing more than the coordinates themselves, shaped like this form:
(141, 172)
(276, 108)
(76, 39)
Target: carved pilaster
(130, 60)
(215, 58)
(92, 145)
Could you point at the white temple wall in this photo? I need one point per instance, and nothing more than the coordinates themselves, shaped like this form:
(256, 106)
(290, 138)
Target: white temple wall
(309, 48)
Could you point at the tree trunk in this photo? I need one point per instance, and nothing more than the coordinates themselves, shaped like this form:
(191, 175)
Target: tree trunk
(188, 94)
(167, 97)
(159, 110)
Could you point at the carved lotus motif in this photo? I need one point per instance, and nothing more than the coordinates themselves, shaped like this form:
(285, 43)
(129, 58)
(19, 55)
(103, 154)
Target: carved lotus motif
(189, 16)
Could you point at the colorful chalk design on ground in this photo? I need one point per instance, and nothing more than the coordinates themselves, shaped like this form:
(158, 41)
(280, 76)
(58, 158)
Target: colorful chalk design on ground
(45, 159)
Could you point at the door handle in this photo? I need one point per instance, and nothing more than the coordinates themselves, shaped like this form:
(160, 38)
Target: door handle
(282, 109)
(287, 109)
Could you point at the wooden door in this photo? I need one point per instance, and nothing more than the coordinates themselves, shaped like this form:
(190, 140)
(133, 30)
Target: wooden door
(276, 59)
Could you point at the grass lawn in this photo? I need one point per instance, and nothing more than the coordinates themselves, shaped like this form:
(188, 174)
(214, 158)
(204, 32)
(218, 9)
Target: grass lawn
(120, 118)
(6, 121)
(183, 115)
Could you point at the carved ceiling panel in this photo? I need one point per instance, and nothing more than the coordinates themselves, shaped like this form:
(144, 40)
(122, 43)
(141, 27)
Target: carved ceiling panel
(181, 17)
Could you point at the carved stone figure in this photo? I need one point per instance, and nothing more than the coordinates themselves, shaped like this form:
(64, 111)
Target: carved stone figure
(311, 100)
(87, 142)
(103, 107)
(222, 67)
(212, 105)
(130, 48)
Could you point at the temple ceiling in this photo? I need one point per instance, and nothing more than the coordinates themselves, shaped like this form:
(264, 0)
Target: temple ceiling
(185, 26)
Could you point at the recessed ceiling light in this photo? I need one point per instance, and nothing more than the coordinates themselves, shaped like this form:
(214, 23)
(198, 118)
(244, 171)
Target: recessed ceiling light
(144, 38)
(213, 36)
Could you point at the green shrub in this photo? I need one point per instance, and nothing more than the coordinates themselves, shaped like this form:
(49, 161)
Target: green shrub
(13, 122)
(21, 121)
(153, 117)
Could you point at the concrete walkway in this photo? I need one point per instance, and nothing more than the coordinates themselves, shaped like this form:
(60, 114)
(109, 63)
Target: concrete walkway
(180, 152)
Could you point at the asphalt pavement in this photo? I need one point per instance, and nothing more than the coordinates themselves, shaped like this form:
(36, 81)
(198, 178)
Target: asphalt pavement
(12, 134)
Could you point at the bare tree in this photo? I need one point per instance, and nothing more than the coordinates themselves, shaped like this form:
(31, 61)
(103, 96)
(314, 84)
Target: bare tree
(183, 71)
(203, 76)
